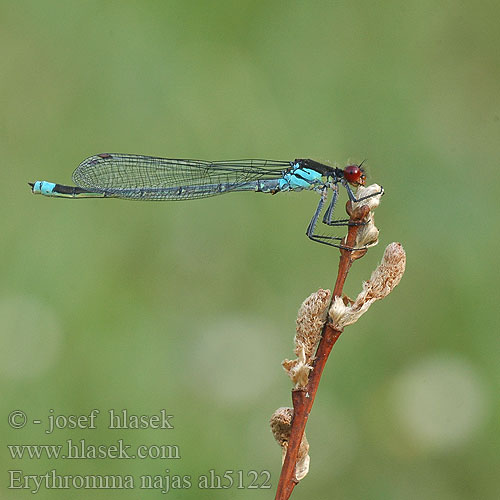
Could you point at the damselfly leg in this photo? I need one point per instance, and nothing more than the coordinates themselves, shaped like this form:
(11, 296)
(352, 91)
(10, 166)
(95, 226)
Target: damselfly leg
(327, 240)
(352, 196)
(327, 218)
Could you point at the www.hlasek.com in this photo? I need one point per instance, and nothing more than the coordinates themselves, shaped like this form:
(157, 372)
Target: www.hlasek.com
(81, 449)
(237, 479)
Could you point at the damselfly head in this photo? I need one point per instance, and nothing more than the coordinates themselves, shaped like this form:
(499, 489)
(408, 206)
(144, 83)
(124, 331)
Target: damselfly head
(355, 174)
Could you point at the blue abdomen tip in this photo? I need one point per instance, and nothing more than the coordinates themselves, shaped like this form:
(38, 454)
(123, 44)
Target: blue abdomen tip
(43, 187)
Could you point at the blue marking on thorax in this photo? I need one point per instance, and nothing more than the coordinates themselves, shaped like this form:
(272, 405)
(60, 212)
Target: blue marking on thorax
(308, 174)
(299, 178)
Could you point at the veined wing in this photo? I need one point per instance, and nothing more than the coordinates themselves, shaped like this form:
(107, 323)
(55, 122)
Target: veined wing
(117, 173)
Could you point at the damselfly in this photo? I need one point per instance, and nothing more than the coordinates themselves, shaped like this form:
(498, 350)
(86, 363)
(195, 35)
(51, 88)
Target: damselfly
(135, 177)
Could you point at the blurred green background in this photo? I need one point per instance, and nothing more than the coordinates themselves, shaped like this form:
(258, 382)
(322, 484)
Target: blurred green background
(191, 306)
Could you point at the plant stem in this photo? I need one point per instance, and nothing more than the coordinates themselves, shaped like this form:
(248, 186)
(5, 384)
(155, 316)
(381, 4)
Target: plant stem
(303, 399)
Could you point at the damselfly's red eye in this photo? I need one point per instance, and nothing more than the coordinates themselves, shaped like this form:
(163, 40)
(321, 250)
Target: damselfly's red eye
(354, 174)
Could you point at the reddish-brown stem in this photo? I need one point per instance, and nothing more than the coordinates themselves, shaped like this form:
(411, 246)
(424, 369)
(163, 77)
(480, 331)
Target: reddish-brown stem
(303, 399)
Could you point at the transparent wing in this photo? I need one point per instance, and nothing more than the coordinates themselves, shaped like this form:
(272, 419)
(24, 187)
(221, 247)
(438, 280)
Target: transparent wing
(123, 174)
